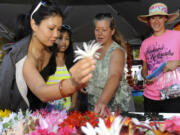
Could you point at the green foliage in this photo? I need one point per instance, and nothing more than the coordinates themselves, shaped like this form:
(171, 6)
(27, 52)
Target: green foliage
(139, 103)
(136, 53)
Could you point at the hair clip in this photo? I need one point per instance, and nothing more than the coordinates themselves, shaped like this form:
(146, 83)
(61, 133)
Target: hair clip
(65, 26)
(43, 3)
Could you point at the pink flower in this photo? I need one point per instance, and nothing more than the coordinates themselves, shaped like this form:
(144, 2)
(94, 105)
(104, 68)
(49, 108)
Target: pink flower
(172, 124)
(66, 131)
(52, 119)
(49, 121)
(42, 112)
(41, 132)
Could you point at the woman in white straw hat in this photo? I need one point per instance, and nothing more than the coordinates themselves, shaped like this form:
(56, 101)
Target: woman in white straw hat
(162, 46)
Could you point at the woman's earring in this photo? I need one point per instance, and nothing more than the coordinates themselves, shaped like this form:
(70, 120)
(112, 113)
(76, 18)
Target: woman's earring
(34, 34)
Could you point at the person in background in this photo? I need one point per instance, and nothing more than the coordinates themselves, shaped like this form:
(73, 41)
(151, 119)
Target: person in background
(162, 46)
(139, 77)
(64, 61)
(28, 62)
(108, 87)
(135, 78)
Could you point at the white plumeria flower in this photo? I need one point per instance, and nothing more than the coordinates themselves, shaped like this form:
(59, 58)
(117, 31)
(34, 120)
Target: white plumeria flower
(88, 51)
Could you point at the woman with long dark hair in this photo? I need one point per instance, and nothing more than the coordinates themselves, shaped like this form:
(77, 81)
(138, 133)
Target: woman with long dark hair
(28, 62)
(64, 61)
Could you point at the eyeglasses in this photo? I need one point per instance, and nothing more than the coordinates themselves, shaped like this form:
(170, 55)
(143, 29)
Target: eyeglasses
(38, 6)
(67, 27)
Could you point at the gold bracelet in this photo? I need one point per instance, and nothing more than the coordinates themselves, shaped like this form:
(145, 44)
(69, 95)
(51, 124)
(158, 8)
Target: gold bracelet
(61, 89)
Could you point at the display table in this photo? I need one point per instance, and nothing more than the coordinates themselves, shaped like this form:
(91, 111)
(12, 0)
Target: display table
(57, 122)
(165, 115)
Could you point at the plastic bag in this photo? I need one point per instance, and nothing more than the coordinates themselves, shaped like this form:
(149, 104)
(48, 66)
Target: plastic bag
(169, 84)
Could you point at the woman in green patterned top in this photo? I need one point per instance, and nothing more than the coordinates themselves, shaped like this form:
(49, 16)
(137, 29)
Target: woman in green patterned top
(108, 87)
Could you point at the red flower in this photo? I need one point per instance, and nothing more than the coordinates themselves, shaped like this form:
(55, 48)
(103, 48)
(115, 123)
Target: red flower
(77, 119)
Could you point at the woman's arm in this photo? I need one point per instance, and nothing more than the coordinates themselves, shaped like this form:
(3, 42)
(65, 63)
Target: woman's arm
(74, 101)
(116, 69)
(171, 65)
(80, 75)
(144, 73)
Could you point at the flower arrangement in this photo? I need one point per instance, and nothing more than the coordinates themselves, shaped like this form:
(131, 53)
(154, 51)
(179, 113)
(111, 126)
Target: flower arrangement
(172, 125)
(77, 119)
(11, 119)
(131, 126)
(43, 122)
(55, 122)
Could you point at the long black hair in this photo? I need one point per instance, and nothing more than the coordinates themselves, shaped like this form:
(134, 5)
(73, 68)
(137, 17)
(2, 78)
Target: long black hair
(69, 53)
(40, 10)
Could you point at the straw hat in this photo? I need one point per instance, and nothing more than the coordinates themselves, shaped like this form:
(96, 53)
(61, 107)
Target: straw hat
(158, 9)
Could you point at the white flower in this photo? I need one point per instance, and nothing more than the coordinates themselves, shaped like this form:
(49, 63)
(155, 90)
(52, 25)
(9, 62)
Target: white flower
(12, 120)
(102, 129)
(115, 127)
(28, 113)
(89, 130)
(1, 127)
(20, 115)
(143, 124)
(43, 123)
(88, 50)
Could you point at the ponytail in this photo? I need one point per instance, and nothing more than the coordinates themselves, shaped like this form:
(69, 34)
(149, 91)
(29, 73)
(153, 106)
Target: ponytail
(119, 38)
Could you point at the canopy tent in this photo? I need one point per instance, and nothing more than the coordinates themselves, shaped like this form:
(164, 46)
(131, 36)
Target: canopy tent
(83, 23)
(79, 14)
